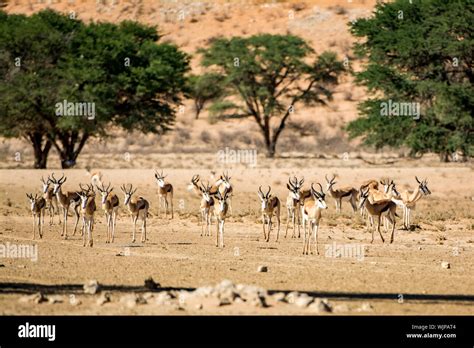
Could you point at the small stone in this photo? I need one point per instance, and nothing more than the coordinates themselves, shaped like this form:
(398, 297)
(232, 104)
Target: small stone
(259, 302)
(365, 307)
(103, 299)
(163, 298)
(292, 296)
(320, 306)
(261, 269)
(303, 301)
(151, 284)
(279, 296)
(199, 306)
(55, 299)
(129, 300)
(224, 302)
(420, 248)
(36, 298)
(91, 287)
(445, 265)
(342, 308)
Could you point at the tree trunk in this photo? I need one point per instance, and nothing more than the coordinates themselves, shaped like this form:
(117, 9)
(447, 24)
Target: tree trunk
(271, 149)
(68, 151)
(41, 153)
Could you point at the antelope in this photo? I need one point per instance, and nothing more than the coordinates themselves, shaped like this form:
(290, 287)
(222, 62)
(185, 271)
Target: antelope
(207, 207)
(95, 177)
(389, 192)
(37, 206)
(88, 209)
(164, 190)
(371, 183)
(193, 185)
(293, 203)
(376, 209)
(408, 199)
(50, 199)
(349, 193)
(110, 204)
(224, 187)
(311, 214)
(137, 208)
(270, 207)
(220, 212)
(65, 200)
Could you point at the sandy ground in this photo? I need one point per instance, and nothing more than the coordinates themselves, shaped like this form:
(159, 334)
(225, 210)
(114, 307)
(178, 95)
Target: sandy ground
(405, 277)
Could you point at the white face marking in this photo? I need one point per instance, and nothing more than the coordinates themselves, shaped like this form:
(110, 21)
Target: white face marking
(221, 205)
(84, 200)
(161, 182)
(104, 197)
(322, 204)
(206, 196)
(56, 188)
(295, 195)
(385, 188)
(127, 198)
(45, 187)
(264, 204)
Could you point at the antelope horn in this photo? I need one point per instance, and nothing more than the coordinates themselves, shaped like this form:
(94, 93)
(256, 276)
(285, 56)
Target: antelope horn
(321, 189)
(269, 189)
(417, 180)
(260, 190)
(326, 177)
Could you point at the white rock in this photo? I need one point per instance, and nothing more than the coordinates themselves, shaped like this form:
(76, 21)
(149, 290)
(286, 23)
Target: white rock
(262, 269)
(320, 306)
(303, 301)
(103, 298)
(445, 265)
(91, 287)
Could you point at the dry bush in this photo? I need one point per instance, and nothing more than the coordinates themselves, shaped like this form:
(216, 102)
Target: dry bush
(205, 137)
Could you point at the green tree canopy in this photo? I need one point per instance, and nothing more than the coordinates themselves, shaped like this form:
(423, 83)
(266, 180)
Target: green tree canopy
(266, 76)
(133, 82)
(418, 52)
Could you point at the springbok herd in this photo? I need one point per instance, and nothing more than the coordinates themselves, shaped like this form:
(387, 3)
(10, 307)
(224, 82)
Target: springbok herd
(375, 199)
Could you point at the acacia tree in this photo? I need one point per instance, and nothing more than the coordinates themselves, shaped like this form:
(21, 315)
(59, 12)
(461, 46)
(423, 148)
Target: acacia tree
(132, 82)
(269, 75)
(418, 52)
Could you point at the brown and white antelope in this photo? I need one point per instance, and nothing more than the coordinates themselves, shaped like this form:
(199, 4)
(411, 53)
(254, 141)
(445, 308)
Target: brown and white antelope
(65, 200)
(270, 207)
(224, 187)
(408, 199)
(37, 207)
(51, 200)
(371, 184)
(110, 205)
(165, 191)
(377, 209)
(344, 193)
(221, 211)
(311, 214)
(293, 202)
(137, 208)
(95, 177)
(207, 209)
(88, 208)
(194, 185)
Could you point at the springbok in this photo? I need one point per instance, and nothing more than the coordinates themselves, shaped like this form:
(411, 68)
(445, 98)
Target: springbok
(88, 209)
(37, 206)
(206, 207)
(65, 200)
(110, 205)
(137, 208)
(51, 200)
(376, 209)
(194, 185)
(270, 207)
(371, 184)
(165, 190)
(221, 211)
(224, 187)
(349, 193)
(293, 202)
(408, 199)
(311, 214)
(95, 177)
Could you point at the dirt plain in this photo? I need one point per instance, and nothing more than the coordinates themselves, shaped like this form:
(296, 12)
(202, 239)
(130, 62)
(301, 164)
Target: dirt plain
(405, 277)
